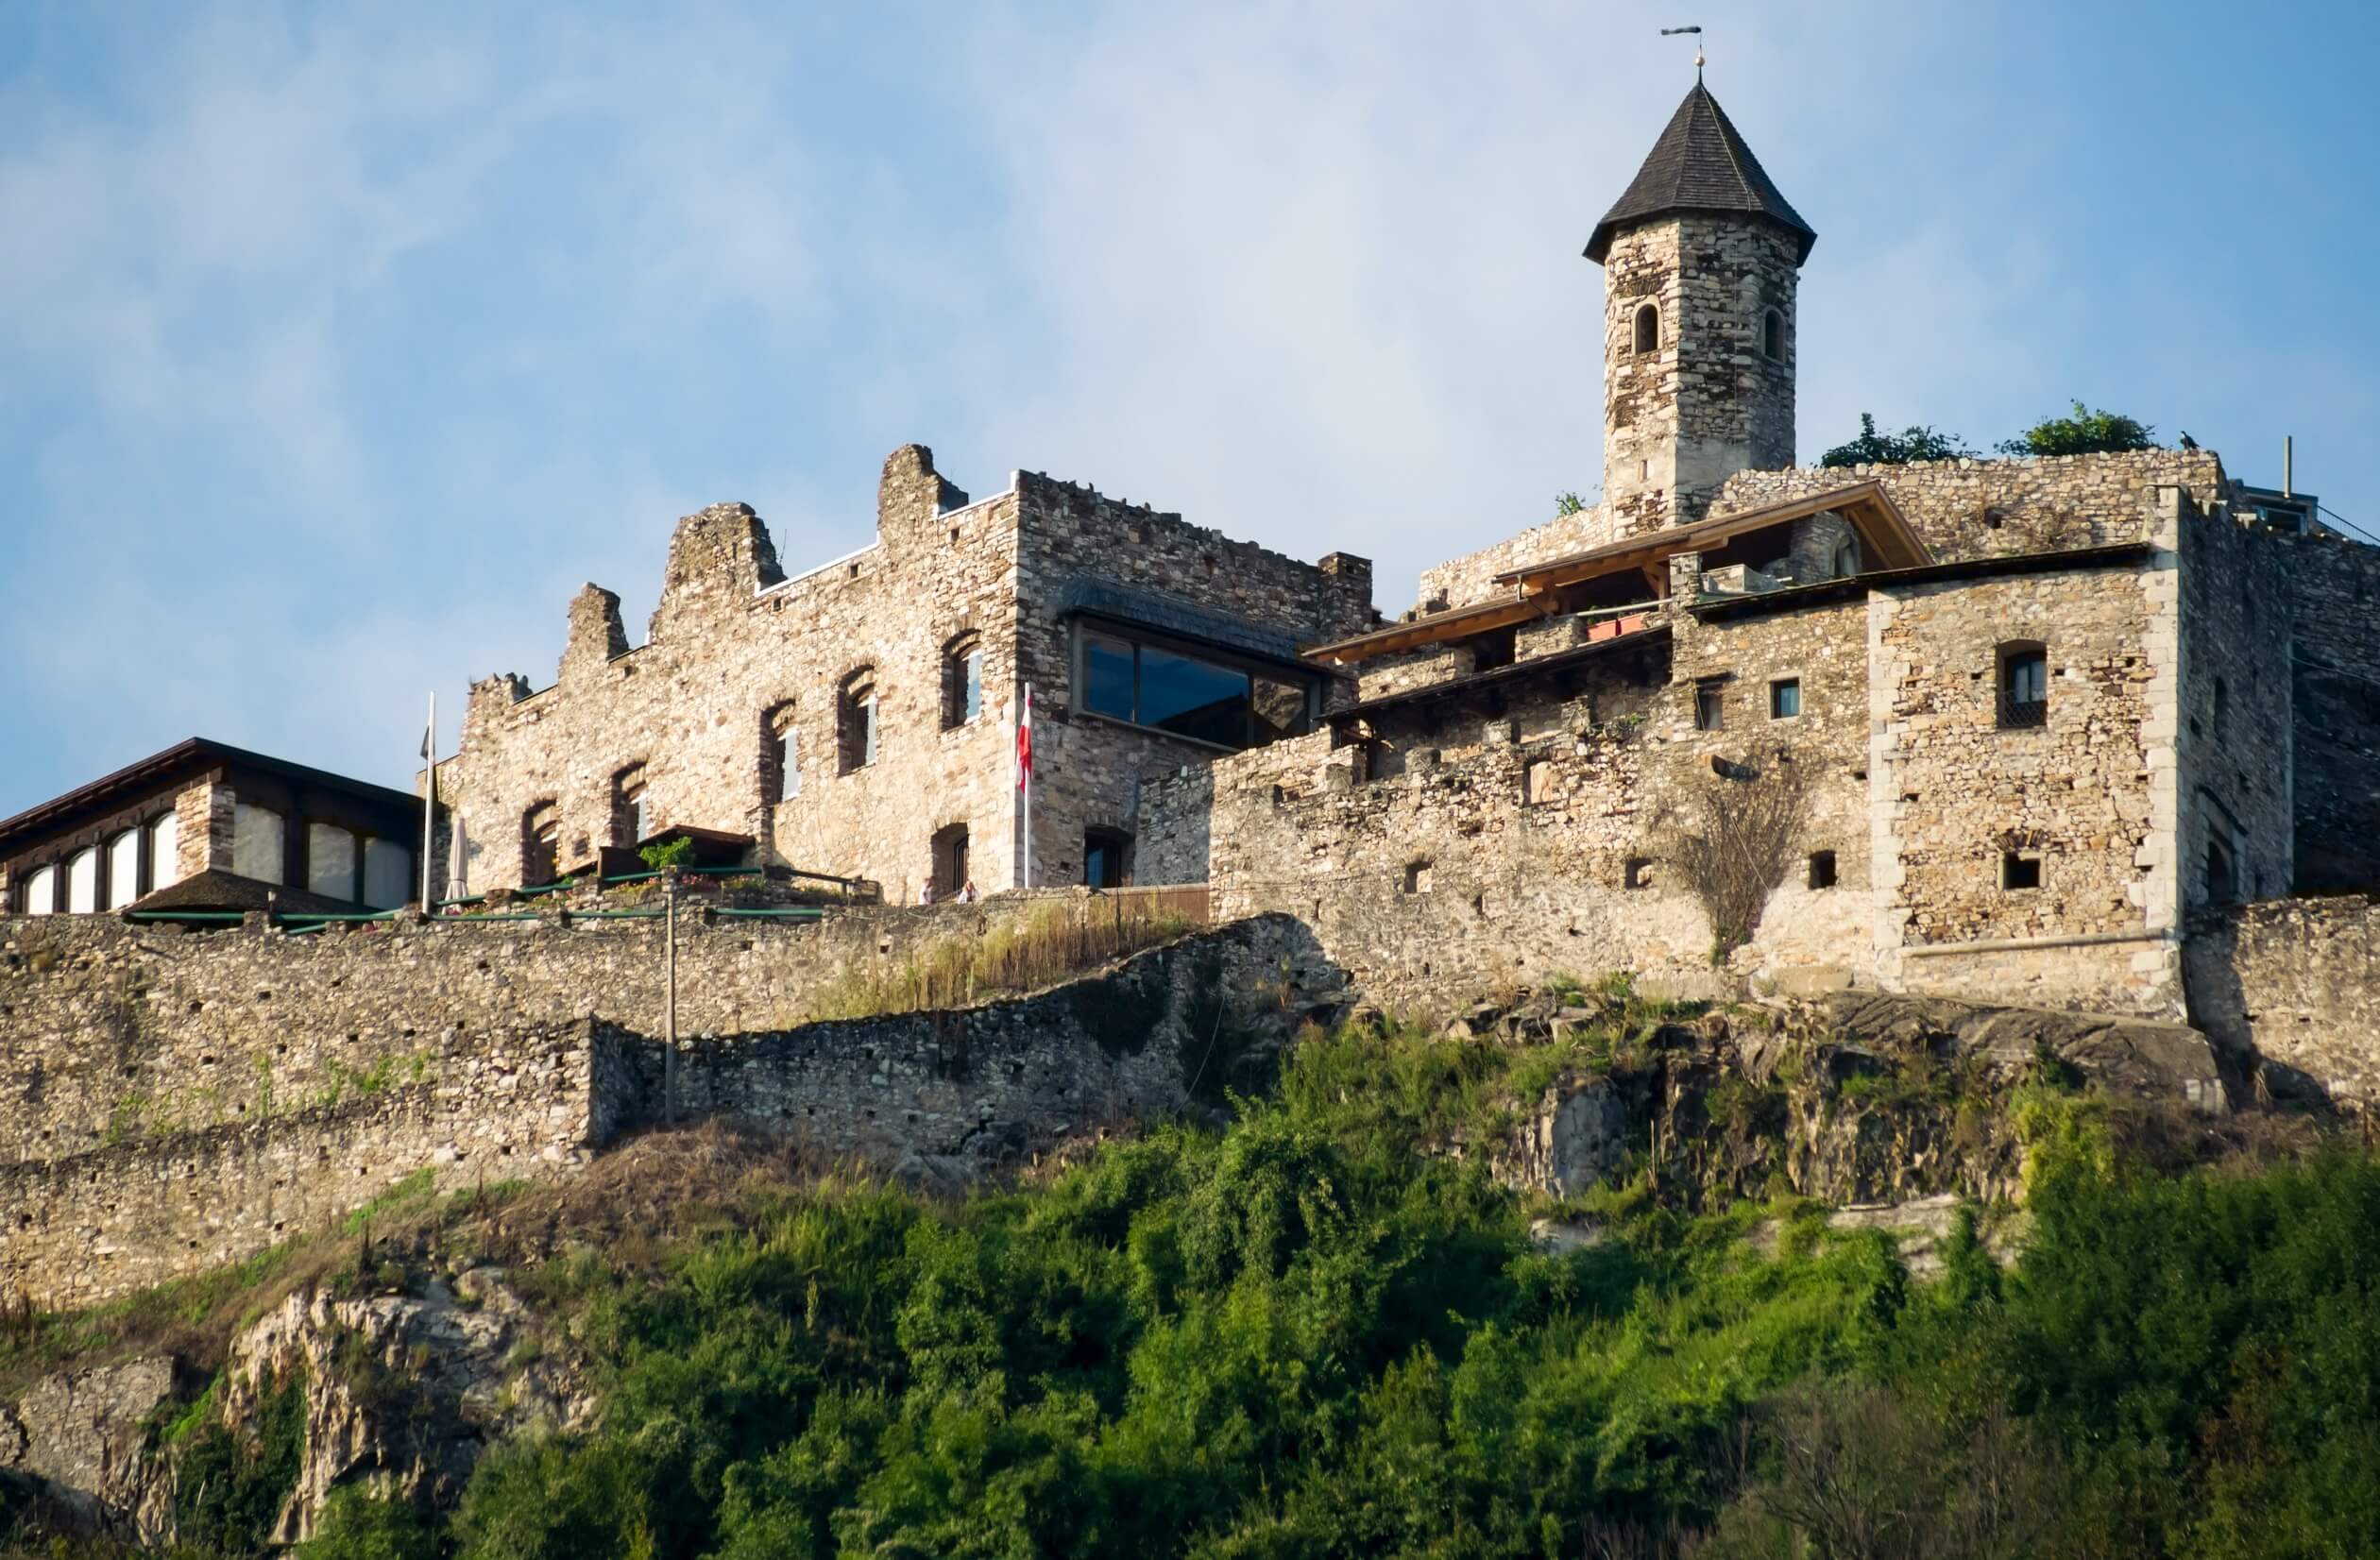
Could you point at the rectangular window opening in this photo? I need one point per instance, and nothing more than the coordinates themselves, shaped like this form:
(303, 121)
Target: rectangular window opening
(1822, 870)
(2019, 871)
(1785, 698)
(1639, 872)
(1537, 781)
(1710, 713)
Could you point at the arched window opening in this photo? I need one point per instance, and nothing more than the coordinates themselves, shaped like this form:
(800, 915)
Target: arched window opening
(1773, 336)
(963, 680)
(1107, 858)
(330, 861)
(540, 844)
(951, 867)
(2024, 686)
(856, 720)
(780, 756)
(41, 892)
(631, 818)
(1648, 328)
(123, 869)
(82, 881)
(2222, 876)
(164, 844)
(259, 843)
(388, 874)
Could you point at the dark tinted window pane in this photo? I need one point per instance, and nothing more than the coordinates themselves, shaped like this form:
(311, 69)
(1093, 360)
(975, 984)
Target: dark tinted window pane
(1107, 666)
(2027, 679)
(1193, 698)
(1281, 709)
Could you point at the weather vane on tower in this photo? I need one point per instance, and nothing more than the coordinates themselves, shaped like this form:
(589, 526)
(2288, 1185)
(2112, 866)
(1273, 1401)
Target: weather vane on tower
(1673, 32)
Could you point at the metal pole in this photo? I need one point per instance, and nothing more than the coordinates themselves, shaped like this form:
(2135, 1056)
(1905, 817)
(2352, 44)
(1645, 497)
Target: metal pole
(2288, 460)
(669, 1023)
(429, 803)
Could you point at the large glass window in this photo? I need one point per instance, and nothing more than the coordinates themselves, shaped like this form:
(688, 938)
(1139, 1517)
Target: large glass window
(123, 869)
(82, 881)
(1193, 698)
(256, 843)
(165, 852)
(329, 862)
(1188, 695)
(388, 874)
(1107, 672)
(41, 892)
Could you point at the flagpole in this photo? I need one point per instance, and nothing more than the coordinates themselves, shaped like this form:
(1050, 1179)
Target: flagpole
(429, 801)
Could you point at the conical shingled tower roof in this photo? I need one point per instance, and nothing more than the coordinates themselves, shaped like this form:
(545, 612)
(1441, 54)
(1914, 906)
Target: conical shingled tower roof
(1700, 164)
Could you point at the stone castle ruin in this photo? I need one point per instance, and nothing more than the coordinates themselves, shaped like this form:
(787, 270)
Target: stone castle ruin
(2092, 732)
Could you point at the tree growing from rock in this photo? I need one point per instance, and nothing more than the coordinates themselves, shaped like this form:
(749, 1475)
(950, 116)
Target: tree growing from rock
(1915, 443)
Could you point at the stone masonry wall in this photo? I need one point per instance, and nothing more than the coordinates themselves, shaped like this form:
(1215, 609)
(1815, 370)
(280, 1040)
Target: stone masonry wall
(950, 1094)
(111, 1031)
(2334, 592)
(2090, 795)
(2293, 981)
(2232, 746)
(137, 1211)
(1988, 508)
(1710, 402)
(1089, 769)
(944, 1094)
(739, 653)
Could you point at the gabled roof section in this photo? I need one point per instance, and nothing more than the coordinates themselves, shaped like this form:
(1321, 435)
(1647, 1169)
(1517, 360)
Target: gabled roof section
(1701, 164)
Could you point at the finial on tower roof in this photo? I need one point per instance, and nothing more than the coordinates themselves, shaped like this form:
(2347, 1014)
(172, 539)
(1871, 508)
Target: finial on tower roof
(1673, 32)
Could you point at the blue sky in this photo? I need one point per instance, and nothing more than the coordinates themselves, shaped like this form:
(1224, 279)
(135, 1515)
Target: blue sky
(338, 345)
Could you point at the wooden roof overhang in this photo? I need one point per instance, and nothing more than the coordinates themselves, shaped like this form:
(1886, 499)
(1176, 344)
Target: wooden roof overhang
(1885, 538)
(1652, 634)
(1543, 590)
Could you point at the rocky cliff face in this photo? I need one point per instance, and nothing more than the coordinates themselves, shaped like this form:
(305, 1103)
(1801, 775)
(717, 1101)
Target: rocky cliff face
(1853, 1098)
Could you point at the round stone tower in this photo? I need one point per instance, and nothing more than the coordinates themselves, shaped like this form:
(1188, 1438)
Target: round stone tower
(1701, 258)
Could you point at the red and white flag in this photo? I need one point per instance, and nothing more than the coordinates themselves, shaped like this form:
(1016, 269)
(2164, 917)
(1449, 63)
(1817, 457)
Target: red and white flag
(1024, 743)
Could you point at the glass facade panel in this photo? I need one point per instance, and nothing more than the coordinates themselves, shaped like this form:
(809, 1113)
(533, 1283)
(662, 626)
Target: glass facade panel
(1107, 671)
(165, 852)
(256, 843)
(388, 874)
(1193, 698)
(329, 862)
(82, 881)
(41, 893)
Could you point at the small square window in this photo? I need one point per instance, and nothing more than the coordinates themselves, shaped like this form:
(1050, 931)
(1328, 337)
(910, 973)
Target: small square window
(2020, 872)
(1709, 708)
(1785, 698)
(1822, 870)
(1639, 873)
(1417, 878)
